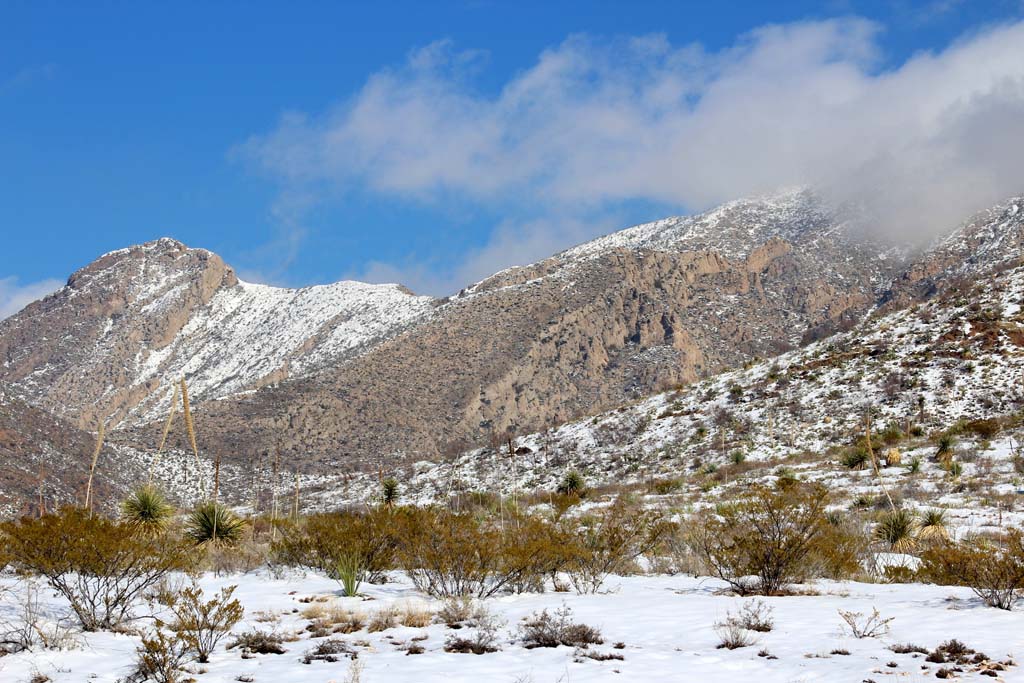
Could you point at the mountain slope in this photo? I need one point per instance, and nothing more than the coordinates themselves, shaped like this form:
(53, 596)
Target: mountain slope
(107, 344)
(357, 376)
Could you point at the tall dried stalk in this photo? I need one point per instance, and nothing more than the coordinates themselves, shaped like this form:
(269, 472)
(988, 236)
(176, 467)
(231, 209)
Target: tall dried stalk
(92, 467)
(190, 427)
(874, 462)
(295, 503)
(167, 430)
(273, 494)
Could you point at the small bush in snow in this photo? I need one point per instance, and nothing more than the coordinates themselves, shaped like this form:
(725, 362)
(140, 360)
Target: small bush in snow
(545, 629)
(992, 567)
(870, 626)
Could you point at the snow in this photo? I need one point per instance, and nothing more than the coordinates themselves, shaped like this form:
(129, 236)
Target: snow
(249, 331)
(666, 624)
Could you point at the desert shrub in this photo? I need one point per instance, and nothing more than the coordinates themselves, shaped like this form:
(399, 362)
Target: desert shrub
(482, 639)
(866, 626)
(545, 629)
(324, 541)
(98, 565)
(608, 542)
(755, 615)
(25, 627)
(160, 657)
(147, 509)
(764, 541)
(732, 636)
(258, 643)
(215, 524)
(329, 651)
(841, 549)
(992, 567)
(203, 624)
(458, 612)
(984, 428)
(451, 554)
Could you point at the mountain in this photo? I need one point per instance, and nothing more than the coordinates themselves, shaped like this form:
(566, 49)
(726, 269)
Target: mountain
(352, 376)
(107, 344)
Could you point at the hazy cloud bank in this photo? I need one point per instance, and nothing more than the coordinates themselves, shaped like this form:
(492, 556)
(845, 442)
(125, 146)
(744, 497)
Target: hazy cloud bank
(593, 124)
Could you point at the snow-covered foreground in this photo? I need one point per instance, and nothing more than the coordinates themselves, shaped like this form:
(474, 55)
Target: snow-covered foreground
(666, 624)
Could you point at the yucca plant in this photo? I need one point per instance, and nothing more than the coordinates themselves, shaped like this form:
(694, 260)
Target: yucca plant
(349, 573)
(389, 491)
(932, 526)
(147, 509)
(898, 530)
(572, 484)
(954, 469)
(213, 523)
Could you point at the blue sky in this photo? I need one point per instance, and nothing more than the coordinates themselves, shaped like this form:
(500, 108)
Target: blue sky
(435, 142)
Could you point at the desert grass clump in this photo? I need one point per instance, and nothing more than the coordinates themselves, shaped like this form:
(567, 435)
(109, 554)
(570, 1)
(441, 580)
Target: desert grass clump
(215, 524)
(100, 566)
(147, 510)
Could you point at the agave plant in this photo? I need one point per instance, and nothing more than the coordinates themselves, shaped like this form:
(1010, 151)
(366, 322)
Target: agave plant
(898, 530)
(213, 523)
(147, 509)
(932, 526)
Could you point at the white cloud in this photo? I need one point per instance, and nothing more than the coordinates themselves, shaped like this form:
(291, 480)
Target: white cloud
(14, 297)
(592, 124)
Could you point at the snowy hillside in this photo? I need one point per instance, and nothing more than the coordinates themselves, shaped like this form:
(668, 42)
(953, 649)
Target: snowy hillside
(955, 359)
(251, 334)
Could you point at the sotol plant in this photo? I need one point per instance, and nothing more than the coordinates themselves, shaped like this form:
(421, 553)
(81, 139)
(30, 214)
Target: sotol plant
(214, 523)
(147, 509)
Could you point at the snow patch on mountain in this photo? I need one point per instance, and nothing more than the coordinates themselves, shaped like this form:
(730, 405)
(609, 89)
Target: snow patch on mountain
(249, 332)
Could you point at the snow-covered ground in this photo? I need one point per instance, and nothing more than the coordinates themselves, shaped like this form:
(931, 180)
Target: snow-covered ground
(665, 625)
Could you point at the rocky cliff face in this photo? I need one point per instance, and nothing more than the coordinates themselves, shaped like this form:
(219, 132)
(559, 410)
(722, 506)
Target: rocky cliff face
(353, 375)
